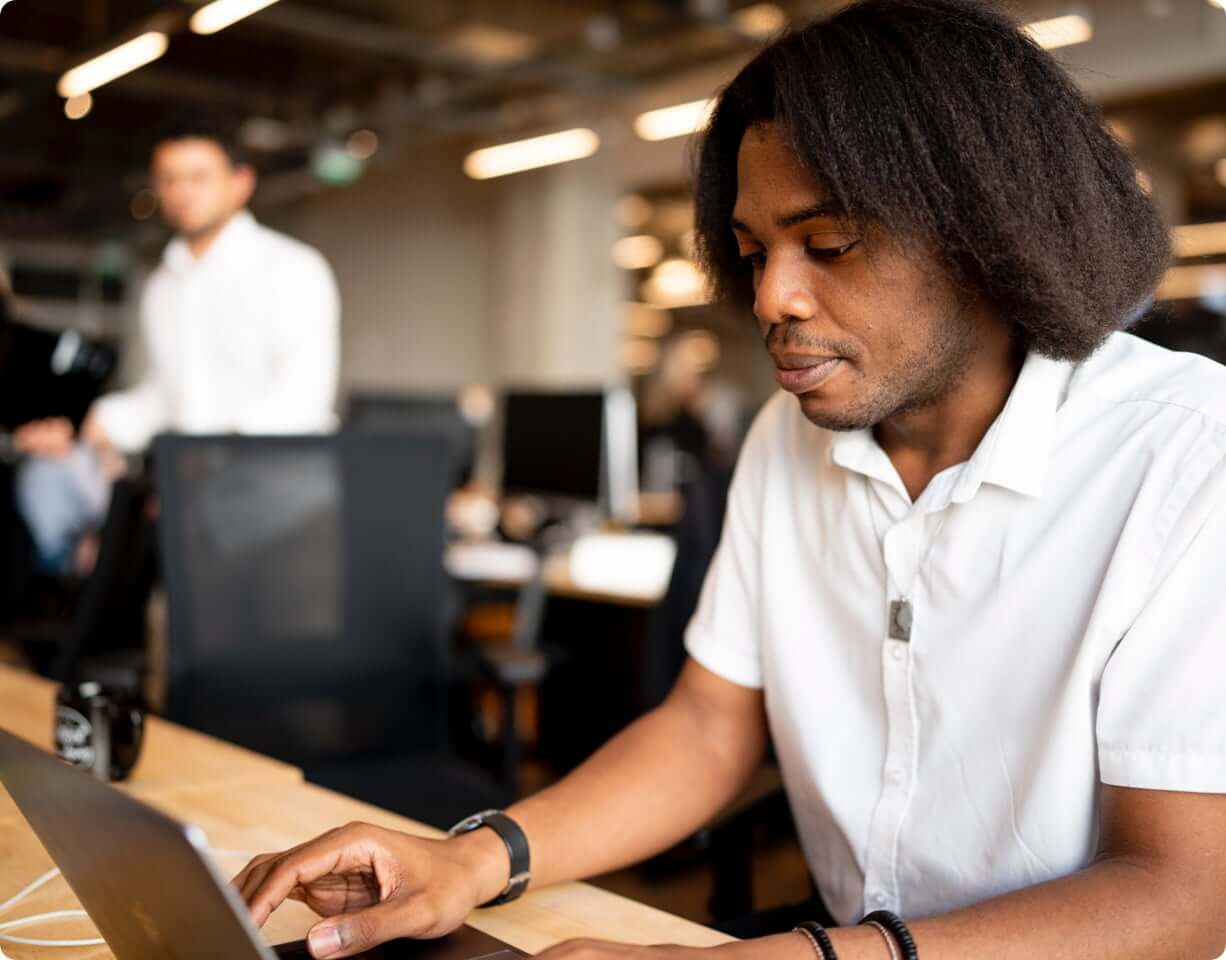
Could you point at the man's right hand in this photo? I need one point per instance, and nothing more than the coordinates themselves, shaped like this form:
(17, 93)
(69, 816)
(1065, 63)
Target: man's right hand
(373, 885)
(45, 438)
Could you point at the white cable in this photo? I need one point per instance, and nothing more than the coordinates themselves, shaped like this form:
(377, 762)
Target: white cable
(43, 918)
(22, 894)
(64, 914)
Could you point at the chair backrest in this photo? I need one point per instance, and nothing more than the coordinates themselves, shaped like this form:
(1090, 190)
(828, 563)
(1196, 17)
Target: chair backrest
(110, 615)
(697, 533)
(305, 589)
(418, 413)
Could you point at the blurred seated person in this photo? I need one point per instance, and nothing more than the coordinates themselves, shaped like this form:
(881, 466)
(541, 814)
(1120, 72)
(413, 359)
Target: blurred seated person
(240, 327)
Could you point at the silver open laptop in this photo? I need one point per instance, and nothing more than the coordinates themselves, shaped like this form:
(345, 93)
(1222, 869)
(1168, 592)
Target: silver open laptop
(147, 881)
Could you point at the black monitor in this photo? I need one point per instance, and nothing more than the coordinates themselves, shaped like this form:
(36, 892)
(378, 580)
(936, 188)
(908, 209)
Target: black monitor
(575, 445)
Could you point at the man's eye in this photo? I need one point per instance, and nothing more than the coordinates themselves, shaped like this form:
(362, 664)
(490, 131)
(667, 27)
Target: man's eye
(833, 253)
(757, 260)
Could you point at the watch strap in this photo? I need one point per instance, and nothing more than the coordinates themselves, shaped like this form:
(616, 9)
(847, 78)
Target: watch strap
(516, 842)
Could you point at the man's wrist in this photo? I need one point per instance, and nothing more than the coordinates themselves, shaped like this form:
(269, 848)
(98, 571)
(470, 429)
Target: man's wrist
(484, 856)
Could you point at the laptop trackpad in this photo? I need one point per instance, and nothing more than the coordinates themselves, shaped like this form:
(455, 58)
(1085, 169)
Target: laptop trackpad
(465, 944)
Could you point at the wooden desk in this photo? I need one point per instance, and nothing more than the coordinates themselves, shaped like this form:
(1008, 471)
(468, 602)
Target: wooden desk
(277, 816)
(172, 758)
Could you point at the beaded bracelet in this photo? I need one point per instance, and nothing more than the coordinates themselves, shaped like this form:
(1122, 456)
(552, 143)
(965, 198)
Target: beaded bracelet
(815, 933)
(885, 935)
(897, 929)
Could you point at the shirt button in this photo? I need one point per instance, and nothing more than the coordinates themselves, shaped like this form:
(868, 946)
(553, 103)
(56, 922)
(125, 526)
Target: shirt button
(898, 653)
(897, 776)
(880, 899)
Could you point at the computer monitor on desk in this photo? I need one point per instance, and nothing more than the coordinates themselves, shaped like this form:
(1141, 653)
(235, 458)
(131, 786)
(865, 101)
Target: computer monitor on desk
(572, 447)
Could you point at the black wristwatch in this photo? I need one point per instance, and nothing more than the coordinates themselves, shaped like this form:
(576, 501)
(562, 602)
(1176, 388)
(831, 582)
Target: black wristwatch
(517, 850)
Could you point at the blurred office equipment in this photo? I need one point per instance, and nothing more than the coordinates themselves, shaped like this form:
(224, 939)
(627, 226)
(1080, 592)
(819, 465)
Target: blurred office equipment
(108, 632)
(440, 414)
(572, 448)
(308, 609)
(49, 374)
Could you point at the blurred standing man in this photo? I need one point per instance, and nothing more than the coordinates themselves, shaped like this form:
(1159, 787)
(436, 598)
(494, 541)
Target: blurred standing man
(240, 324)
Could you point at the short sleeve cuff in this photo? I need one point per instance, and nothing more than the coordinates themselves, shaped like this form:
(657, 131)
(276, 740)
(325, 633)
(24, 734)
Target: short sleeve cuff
(1184, 772)
(720, 660)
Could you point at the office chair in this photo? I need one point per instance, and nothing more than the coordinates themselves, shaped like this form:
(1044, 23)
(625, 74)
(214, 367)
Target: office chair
(106, 639)
(418, 413)
(307, 610)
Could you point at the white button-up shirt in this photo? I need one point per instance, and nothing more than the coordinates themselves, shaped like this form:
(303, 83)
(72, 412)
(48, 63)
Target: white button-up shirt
(1067, 584)
(243, 340)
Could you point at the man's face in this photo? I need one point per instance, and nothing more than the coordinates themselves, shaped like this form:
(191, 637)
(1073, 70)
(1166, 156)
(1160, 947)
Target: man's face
(857, 330)
(197, 185)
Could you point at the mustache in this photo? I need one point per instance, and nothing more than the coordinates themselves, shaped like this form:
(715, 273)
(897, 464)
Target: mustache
(789, 335)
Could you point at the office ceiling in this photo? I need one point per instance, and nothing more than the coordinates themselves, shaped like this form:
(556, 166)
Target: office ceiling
(303, 72)
(310, 69)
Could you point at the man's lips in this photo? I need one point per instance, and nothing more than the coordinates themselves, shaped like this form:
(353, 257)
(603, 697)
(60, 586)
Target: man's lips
(801, 375)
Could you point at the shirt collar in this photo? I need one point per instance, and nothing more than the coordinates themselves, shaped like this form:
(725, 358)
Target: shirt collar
(234, 237)
(1015, 452)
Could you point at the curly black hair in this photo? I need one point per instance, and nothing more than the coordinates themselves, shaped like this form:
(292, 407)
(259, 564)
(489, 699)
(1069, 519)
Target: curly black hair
(943, 123)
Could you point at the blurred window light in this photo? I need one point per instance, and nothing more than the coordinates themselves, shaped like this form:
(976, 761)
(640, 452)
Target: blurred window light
(1122, 131)
(675, 283)
(645, 320)
(113, 64)
(638, 252)
(1205, 140)
(1192, 283)
(760, 21)
(362, 144)
(688, 243)
(531, 154)
(1219, 171)
(678, 121)
(78, 108)
(640, 356)
(634, 211)
(1220, 4)
(1200, 240)
(1059, 32)
(699, 350)
(220, 14)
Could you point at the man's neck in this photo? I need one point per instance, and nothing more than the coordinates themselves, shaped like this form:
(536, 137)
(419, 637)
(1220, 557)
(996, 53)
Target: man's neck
(922, 443)
(201, 243)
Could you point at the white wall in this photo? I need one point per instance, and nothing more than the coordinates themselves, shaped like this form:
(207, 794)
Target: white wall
(412, 249)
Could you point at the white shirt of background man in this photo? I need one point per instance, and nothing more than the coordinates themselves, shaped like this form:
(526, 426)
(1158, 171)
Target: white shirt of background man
(243, 340)
(1069, 627)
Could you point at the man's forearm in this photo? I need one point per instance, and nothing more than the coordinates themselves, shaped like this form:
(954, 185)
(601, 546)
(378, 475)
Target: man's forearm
(1113, 910)
(652, 785)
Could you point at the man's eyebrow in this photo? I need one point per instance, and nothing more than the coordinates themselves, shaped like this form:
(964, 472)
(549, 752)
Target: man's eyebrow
(826, 208)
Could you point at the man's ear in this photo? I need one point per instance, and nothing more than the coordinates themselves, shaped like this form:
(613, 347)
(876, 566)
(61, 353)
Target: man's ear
(245, 183)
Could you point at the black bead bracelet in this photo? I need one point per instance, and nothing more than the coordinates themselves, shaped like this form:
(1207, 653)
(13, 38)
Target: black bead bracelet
(816, 934)
(897, 929)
